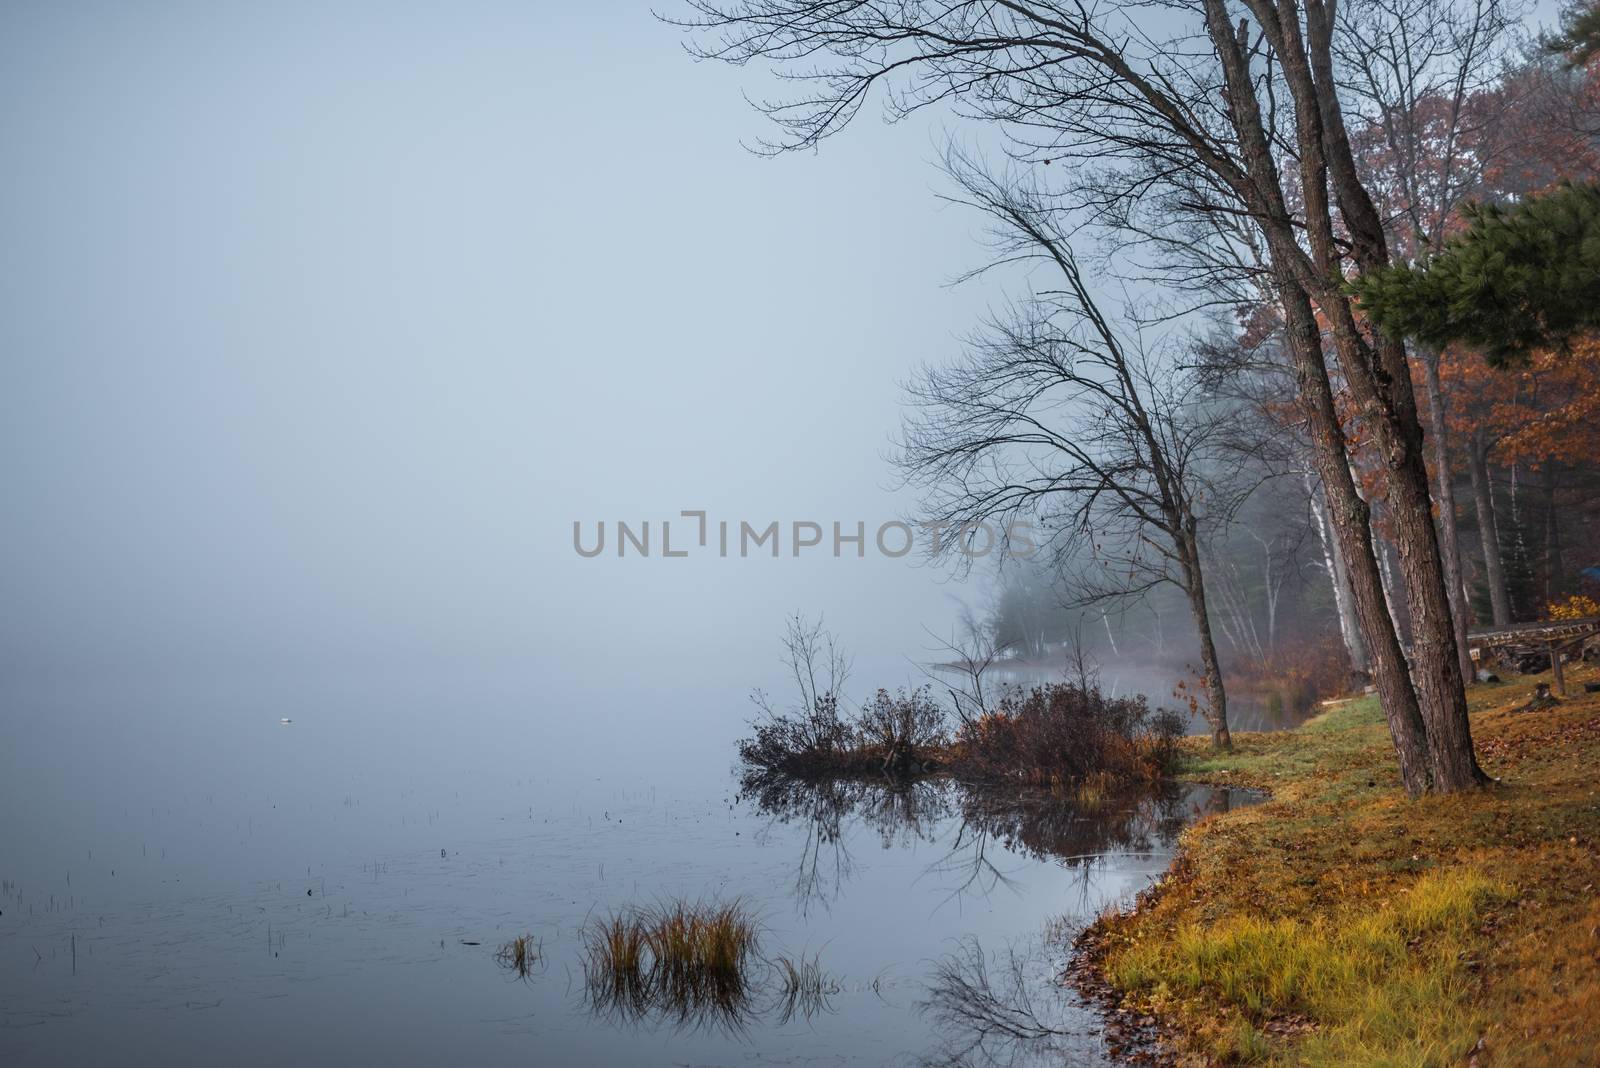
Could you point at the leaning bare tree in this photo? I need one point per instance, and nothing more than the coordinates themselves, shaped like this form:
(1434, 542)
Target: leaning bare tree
(1056, 415)
(1221, 110)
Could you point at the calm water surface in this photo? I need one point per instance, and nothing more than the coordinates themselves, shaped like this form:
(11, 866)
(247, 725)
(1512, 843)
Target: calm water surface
(200, 883)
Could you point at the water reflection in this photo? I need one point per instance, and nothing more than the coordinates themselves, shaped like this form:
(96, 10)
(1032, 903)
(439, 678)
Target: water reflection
(1004, 1008)
(626, 982)
(806, 991)
(206, 948)
(899, 813)
(634, 1000)
(979, 826)
(1002, 1005)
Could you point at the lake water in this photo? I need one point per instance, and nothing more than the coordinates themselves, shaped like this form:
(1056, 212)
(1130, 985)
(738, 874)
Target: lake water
(201, 883)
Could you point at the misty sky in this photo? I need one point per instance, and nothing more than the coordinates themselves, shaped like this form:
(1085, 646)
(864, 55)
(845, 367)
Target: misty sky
(320, 324)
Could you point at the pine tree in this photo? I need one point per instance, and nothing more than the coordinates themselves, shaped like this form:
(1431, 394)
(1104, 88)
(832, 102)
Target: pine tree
(1523, 277)
(1579, 40)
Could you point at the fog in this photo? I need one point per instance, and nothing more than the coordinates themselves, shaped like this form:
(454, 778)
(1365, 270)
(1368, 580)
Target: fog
(332, 336)
(322, 325)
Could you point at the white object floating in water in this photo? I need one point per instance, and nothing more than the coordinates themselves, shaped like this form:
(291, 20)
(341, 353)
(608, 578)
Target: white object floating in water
(286, 721)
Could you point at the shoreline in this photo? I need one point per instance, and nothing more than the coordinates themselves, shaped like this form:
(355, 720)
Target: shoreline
(1336, 922)
(1133, 1034)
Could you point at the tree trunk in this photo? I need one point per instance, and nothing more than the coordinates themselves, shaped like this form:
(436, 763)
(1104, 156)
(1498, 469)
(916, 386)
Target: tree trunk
(1380, 549)
(1488, 530)
(1554, 587)
(1435, 670)
(1376, 374)
(1355, 646)
(1194, 585)
(1520, 588)
(1351, 521)
(1110, 637)
(1449, 538)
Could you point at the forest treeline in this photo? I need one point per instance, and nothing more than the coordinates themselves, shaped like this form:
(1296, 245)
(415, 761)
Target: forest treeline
(1200, 217)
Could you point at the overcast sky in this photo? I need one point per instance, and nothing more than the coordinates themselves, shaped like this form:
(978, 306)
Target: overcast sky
(322, 323)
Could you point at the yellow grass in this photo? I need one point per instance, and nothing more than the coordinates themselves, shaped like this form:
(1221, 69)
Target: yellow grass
(1341, 924)
(687, 958)
(692, 944)
(520, 955)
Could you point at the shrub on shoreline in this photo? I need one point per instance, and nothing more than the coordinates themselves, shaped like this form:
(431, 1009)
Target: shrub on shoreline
(1056, 736)
(1059, 735)
(893, 734)
(1062, 734)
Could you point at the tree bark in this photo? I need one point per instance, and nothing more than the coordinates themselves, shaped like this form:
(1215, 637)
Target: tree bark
(1377, 373)
(1435, 670)
(1449, 537)
(1488, 529)
(1293, 278)
(1380, 549)
(1194, 585)
(1351, 520)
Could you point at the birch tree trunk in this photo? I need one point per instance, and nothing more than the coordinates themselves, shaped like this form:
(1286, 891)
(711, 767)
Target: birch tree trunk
(1355, 646)
(1386, 576)
(1449, 538)
(1553, 566)
(1488, 530)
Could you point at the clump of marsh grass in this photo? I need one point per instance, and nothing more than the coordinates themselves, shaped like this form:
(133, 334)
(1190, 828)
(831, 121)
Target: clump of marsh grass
(520, 955)
(688, 960)
(805, 990)
(615, 965)
(699, 952)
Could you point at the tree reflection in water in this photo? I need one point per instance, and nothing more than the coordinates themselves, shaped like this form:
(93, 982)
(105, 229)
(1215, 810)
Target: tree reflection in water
(1009, 1008)
(1035, 824)
(898, 812)
(1004, 1008)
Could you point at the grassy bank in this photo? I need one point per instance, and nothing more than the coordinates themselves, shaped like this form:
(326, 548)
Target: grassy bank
(1340, 923)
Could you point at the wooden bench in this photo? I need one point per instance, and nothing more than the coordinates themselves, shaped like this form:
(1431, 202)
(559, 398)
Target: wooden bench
(1556, 637)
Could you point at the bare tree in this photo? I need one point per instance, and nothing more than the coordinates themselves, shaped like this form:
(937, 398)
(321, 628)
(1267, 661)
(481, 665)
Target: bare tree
(1082, 669)
(816, 662)
(1217, 110)
(820, 668)
(971, 652)
(1056, 414)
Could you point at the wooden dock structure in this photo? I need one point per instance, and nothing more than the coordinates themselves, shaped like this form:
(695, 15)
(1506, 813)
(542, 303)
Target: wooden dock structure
(1554, 636)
